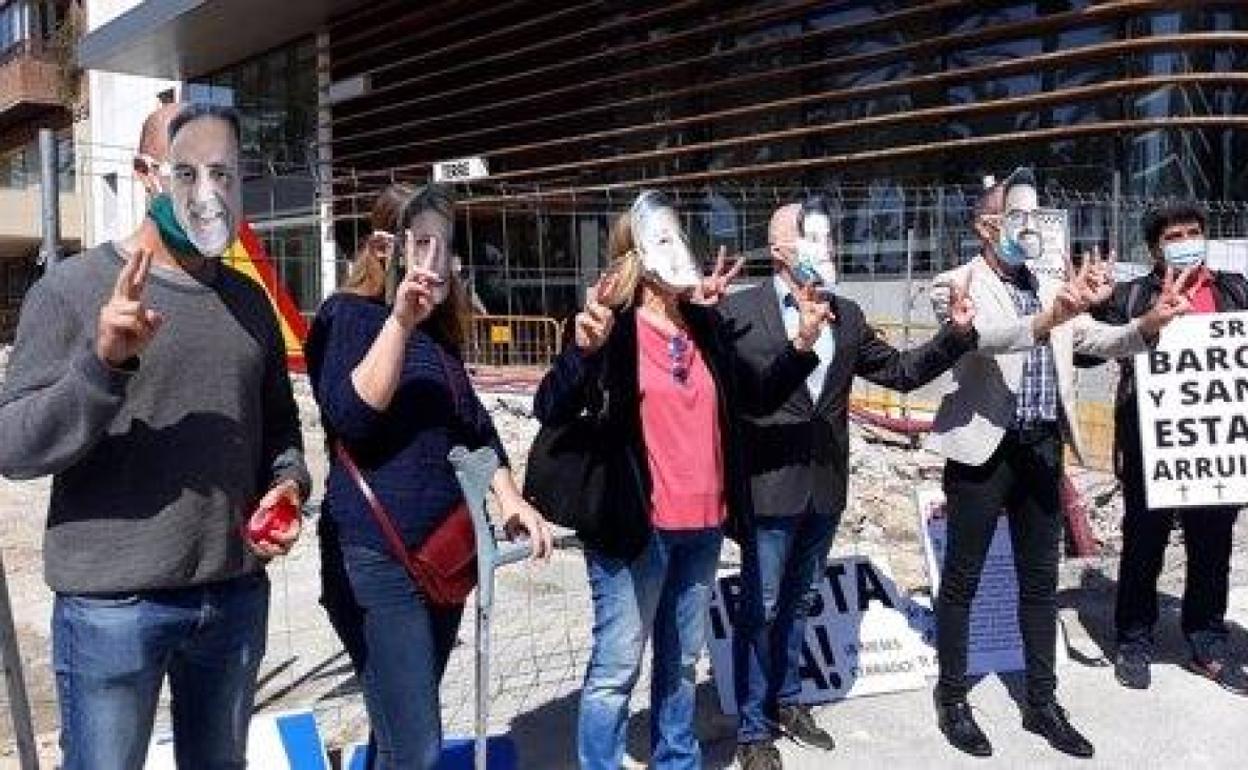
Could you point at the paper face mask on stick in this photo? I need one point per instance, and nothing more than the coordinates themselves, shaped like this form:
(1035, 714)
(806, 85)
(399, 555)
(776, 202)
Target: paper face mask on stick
(204, 186)
(665, 252)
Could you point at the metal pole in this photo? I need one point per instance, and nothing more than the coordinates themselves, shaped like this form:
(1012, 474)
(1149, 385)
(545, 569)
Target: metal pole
(1115, 212)
(325, 170)
(905, 321)
(51, 208)
(15, 681)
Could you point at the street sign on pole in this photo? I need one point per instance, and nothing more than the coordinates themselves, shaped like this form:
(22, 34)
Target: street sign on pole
(460, 170)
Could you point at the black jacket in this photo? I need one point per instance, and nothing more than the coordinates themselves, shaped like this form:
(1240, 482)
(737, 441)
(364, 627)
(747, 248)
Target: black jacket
(1131, 300)
(577, 383)
(800, 453)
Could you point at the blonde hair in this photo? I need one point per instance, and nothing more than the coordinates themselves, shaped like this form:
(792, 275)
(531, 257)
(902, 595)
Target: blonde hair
(367, 276)
(624, 265)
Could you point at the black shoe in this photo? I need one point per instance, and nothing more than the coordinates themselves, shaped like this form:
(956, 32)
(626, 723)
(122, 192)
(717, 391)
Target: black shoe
(1049, 720)
(1131, 668)
(958, 725)
(799, 724)
(762, 755)
(1225, 671)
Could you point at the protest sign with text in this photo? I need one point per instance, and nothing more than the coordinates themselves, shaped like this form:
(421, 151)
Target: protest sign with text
(858, 637)
(1191, 390)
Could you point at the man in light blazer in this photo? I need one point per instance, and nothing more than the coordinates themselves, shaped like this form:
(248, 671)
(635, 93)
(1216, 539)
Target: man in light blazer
(1001, 430)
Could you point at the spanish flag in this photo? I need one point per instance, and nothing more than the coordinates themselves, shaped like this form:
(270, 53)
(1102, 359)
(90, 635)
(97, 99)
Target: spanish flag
(247, 256)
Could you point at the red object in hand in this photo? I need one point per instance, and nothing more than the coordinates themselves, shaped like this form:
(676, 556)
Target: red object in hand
(265, 523)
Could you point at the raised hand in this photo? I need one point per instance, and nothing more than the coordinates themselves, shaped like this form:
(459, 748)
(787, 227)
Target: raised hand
(715, 286)
(593, 324)
(812, 315)
(1173, 302)
(961, 306)
(125, 325)
(1097, 277)
(413, 298)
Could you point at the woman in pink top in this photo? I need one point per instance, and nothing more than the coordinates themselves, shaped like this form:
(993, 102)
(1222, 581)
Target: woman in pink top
(651, 347)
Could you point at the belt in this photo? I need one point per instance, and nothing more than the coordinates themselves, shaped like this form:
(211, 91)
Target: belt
(1034, 426)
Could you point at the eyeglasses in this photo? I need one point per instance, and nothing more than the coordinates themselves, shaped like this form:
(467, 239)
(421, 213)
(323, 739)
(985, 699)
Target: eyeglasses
(678, 355)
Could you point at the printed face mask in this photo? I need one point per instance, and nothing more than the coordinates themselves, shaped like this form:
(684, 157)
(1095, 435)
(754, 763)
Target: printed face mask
(204, 185)
(814, 253)
(1019, 240)
(665, 253)
(431, 237)
(1184, 253)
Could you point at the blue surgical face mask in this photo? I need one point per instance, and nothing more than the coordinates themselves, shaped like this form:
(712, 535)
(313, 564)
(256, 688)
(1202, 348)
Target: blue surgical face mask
(1184, 253)
(1012, 252)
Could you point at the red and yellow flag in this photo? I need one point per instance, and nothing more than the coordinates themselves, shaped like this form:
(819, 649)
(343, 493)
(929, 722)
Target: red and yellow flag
(247, 255)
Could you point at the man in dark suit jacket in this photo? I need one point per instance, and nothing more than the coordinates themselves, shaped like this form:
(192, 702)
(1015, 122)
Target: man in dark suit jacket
(798, 462)
(1176, 238)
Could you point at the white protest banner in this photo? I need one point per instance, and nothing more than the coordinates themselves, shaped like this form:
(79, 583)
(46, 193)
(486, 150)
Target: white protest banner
(1192, 392)
(858, 641)
(995, 644)
(460, 170)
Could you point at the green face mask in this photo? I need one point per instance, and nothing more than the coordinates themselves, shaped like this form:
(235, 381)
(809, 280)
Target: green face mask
(161, 212)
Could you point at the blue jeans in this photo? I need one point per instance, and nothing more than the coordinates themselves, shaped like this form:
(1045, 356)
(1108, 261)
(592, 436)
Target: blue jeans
(666, 590)
(399, 657)
(779, 569)
(111, 653)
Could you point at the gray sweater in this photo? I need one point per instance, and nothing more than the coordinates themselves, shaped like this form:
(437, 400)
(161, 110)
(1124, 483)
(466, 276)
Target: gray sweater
(154, 470)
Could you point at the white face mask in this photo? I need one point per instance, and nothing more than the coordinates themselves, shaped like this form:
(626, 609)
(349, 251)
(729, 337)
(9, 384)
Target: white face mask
(814, 252)
(1184, 253)
(204, 184)
(665, 252)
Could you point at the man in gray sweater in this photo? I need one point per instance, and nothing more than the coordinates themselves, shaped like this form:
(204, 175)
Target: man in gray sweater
(150, 382)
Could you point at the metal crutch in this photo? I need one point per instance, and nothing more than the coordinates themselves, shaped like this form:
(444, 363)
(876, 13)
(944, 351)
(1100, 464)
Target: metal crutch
(474, 470)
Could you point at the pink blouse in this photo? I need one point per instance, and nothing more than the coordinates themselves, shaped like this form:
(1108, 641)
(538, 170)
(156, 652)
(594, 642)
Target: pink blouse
(680, 424)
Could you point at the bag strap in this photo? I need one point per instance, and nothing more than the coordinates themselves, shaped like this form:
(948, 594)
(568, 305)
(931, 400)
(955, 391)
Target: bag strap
(384, 520)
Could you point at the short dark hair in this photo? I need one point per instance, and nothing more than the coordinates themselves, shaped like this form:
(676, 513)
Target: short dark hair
(1158, 220)
(195, 110)
(813, 203)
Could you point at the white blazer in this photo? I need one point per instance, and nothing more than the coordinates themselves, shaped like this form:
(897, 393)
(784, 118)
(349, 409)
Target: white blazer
(974, 415)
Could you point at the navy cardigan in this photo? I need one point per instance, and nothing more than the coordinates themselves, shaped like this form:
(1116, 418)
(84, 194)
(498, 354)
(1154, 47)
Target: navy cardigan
(402, 451)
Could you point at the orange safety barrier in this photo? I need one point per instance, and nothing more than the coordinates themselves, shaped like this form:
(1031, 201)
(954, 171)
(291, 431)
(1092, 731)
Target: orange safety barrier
(512, 340)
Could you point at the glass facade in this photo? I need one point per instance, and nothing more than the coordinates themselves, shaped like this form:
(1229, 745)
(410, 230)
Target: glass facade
(896, 109)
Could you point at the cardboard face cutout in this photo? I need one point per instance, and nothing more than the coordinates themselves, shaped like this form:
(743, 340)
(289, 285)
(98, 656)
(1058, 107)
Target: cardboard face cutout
(431, 234)
(1020, 229)
(665, 252)
(204, 185)
(814, 252)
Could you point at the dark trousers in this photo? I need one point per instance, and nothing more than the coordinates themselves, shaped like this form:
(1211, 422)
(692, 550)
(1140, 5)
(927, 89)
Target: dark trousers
(1207, 539)
(1023, 477)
